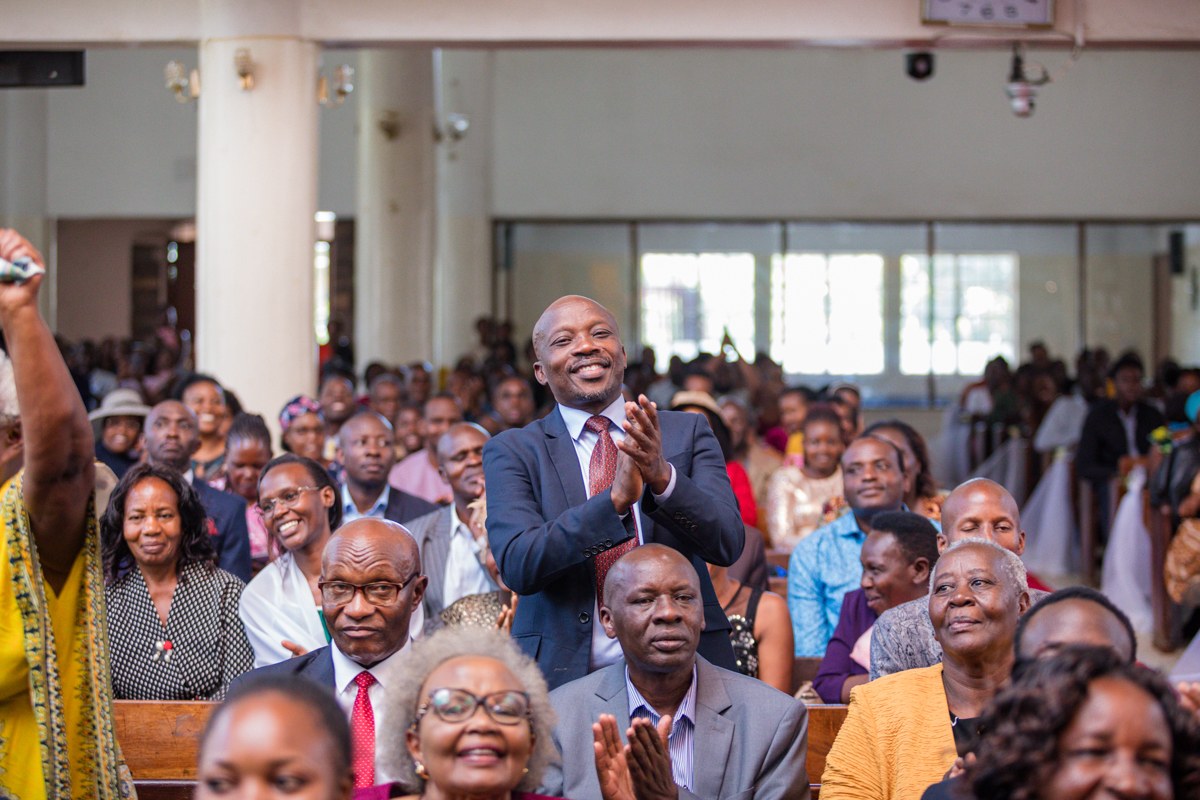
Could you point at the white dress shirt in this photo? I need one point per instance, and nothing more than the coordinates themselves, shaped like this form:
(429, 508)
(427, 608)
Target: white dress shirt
(389, 678)
(464, 574)
(605, 651)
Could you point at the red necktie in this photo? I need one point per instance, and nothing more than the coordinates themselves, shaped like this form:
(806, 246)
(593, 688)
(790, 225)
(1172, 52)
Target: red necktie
(601, 472)
(362, 729)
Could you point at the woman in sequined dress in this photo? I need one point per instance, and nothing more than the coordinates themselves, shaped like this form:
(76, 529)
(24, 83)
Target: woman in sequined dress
(761, 629)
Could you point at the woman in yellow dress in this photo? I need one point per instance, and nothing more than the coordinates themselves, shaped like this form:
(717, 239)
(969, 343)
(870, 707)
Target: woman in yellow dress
(56, 731)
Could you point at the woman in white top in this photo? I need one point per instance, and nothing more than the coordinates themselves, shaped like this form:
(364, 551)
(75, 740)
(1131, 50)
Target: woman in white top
(281, 607)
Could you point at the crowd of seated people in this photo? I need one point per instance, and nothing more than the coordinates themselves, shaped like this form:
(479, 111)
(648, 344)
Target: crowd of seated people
(598, 626)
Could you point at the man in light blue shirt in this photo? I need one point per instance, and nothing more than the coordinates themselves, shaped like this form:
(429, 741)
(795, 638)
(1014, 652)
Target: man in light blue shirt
(366, 449)
(825, 565)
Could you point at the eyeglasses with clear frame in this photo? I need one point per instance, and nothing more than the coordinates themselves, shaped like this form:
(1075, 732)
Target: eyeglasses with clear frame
(290, 498)
(378, 593)
(458, 705)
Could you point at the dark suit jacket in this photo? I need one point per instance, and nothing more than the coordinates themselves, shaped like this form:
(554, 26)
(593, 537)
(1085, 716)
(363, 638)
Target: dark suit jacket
(402, 506)
(316, 665)
(751, 741)
(232, 541)
(544, 532)
(1102, 442)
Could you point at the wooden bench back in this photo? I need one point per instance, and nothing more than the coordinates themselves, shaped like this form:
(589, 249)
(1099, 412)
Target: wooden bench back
(161, 742)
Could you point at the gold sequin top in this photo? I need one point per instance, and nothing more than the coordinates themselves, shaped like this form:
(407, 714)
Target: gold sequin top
(796, 503)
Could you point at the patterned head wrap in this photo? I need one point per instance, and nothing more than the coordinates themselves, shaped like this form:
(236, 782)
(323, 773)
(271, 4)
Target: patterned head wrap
(297, 407)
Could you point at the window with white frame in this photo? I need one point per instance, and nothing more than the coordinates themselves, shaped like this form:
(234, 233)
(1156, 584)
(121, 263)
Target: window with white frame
(689, 301)
(827, 313)
(973, 317)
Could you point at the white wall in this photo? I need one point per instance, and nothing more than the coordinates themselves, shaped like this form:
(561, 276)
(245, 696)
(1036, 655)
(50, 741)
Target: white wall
(473, 21)
(842, 134)
(122, 146)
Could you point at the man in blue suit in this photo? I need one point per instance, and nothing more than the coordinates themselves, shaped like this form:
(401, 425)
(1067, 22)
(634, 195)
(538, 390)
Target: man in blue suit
(569, 494)
(172, 437)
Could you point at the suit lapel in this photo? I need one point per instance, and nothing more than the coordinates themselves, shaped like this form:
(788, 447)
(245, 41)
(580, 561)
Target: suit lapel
(713, 733)
(613, 699)
(562, 454)
(322, 668)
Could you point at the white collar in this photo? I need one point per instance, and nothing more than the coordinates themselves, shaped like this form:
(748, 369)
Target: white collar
(575, 418)
(457, 526)
(389, 673)
(190, 476)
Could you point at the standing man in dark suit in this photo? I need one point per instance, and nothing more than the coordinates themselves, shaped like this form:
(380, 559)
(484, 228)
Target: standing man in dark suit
(1116, 430)
(370, 583)
(571, 493)
(172, 437)
(450, 555)
(367, 452)
(695, 730)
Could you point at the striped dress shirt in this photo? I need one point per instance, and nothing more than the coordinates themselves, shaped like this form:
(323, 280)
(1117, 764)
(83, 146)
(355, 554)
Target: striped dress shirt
(681, 741)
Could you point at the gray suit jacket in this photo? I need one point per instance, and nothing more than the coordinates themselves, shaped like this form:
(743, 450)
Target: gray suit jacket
(750, 741)
(432, 533)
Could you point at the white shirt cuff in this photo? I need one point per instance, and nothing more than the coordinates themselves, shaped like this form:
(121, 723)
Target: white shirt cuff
(666, 495)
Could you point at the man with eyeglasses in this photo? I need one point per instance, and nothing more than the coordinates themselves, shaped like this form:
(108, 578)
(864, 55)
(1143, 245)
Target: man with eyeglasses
(370, 584)
(172, 438)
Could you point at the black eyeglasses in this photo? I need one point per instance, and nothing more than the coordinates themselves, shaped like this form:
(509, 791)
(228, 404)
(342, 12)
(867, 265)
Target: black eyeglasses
(380, 593)
(458, 705)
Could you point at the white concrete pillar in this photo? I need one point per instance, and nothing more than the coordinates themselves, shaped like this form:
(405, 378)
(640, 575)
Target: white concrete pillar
(23, 143)
(463, 271)
(394, 228)
(256, 199)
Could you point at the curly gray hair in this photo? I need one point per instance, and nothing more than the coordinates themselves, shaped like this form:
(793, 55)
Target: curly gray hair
(449, 643)
(1014, 568)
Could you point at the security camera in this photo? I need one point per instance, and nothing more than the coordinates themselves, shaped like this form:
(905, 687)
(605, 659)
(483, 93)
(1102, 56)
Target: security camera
(919, 66)
(1023, 98)
(1021, 89)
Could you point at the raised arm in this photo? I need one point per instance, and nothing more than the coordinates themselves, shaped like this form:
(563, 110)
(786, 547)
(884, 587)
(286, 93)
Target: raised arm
(57, 438)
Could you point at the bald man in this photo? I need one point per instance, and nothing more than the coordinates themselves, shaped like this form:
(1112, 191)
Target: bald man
(729, 735)
(980, 508)
(450, 553)
(570, 493)
(172, 438)
(371, 582)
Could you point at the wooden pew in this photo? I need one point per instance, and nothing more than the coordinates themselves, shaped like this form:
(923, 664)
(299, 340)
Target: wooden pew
(779, 558)
(160, 742)
(823, 725)
(804, 668)
(1160, 523)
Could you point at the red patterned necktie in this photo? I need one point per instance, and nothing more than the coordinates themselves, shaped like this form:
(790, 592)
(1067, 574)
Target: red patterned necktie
(601, 472)
(362, 729)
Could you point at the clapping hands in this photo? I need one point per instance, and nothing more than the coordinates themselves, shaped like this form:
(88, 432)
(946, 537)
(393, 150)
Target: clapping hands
(640, 770)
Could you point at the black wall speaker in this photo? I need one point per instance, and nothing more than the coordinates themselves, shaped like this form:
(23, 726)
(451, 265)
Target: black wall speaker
(1176, 251)
(40, 68)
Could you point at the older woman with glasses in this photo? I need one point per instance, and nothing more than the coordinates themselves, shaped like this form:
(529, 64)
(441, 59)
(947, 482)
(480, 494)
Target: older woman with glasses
(477, 720)
(281, 607)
